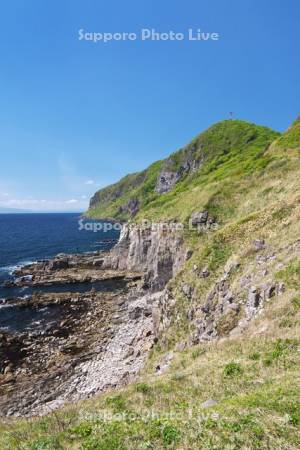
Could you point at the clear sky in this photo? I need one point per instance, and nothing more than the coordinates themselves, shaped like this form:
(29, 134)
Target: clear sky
(77, 115)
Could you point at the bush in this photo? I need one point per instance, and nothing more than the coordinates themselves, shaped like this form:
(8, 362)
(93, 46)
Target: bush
(143, 388)
(232, 369)
(281, 346)
(170, 434)
(117, 403)
(254, 356)
(83, 430)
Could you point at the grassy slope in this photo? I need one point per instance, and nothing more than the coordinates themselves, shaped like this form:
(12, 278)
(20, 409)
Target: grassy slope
(229, 149)
(254, 380)
(254, 377)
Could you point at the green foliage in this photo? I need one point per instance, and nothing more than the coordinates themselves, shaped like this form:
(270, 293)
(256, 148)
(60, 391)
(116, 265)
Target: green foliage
(170, 435)
(46, 443)
(233, 369)
(216, 253)
(143, 388)
(117, 403)
(254, 356)
(296, 302)
(83, 430)
(281, 347)
(291, 139)
(198, 352)
(290, 275)
(225, 150)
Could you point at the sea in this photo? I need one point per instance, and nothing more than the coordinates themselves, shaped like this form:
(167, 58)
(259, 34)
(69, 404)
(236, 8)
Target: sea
(27, 238)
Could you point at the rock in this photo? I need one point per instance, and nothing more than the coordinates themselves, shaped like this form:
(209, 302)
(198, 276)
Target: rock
(269, 291)
(131, 207)
(199, 218)
(258, 244)
(188, 254)
(280, 288)
(180, 346)
(253, 297)
(208, 403)
(187, 290)
(98, 262)
(234, 306)
(8, 369)
(205, 273)
(139, 310)
(61, 263)
(205, 308)
(165, 181)
(169, 356)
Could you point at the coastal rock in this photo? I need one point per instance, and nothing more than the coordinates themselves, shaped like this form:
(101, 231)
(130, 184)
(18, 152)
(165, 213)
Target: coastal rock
(156, 252)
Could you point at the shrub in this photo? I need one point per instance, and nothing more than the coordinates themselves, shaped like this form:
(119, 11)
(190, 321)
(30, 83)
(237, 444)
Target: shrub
(178, 377)
(170, 434)
(198, 352)
(143, 388)
(232, 369)
(281, 346)
(254, 356)
(117, 403)
(83, 430)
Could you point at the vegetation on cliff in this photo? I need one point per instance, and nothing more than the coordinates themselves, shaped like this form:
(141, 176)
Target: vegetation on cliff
(227, 150)
(240, 391)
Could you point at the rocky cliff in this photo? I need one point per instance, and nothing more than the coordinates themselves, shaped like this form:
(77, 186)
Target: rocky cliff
(208, 325)
(158, 253)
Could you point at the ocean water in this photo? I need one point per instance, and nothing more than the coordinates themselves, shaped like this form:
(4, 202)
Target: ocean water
(25, 238)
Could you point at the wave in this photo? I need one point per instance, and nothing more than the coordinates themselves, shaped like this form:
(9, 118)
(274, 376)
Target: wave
(11, 268)
(5, 306)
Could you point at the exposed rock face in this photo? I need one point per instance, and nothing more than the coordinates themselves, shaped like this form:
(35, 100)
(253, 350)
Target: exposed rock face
(158, 253)
(115, 191)
(198, 218)
(131, 207)
(202, 221)
(124, 354)
(236, 298)
(167, 178)
(69, 269)
(166, 181)
(96, 340)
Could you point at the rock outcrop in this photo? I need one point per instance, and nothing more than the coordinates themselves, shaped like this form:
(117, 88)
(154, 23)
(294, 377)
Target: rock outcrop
(74, 345)
(158, 253)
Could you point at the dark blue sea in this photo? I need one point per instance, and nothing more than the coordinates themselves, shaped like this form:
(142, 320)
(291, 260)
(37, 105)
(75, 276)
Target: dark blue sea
(26, 238)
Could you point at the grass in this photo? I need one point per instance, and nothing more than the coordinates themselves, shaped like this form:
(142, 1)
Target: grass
(291, 274)
(252, 188)
(256, 403)
(227, 149)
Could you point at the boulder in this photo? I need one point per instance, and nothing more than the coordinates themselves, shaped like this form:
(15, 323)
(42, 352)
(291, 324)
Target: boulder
(258, 244)
(187, 290)
(61, 263)
(208, 403)
(199, 218)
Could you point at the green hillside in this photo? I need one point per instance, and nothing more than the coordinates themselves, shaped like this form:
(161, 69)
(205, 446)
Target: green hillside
(229, 149)
(242, 390)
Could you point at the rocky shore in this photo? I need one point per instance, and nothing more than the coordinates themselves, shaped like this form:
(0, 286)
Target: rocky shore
(67, 346)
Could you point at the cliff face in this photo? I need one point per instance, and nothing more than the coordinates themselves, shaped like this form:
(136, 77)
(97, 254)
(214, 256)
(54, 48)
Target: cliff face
(197, 282)
(242, 178)
(158, 253)
(217, 308)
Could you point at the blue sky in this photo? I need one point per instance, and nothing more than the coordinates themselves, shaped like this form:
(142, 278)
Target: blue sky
(77, 115)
